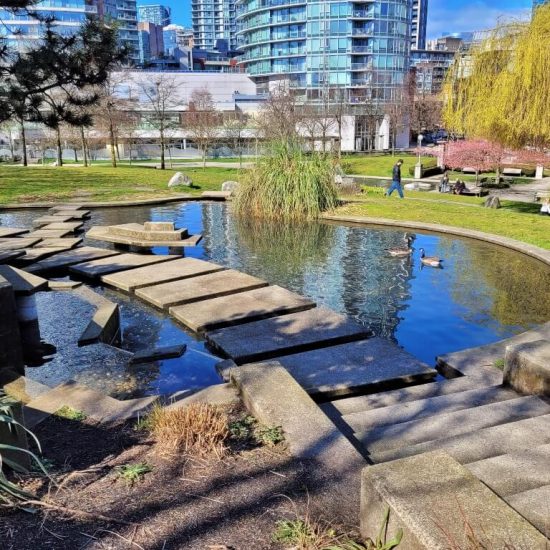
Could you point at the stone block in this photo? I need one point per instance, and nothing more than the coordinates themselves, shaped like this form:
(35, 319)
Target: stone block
(11, 356)
(159, 226)
(104, 326)
(18, 243)
(64, 226)
(45, 220)
(11, 231)
(439, 504)
(59, 243)
(138, 232)
(166, 352)
(204, 287)
(50, 233)
(23, 283)
(527, 367)
(184, 268)
(71, 257)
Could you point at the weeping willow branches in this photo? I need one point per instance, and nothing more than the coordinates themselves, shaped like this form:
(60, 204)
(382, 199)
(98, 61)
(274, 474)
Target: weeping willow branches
(500, 91)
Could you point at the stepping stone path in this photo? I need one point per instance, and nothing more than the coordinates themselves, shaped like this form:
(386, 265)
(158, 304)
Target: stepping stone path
(50, 233)
(63, 226)
(11, 232)
(71, 257)
(104, 266)
(19, 243)
(45, 220)
(203, 287)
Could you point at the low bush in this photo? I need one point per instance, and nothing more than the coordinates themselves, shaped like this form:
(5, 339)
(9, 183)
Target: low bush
(199, 429)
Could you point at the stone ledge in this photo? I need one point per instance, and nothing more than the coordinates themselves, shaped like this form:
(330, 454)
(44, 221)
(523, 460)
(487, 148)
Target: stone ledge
(527, 367)
(436, 502)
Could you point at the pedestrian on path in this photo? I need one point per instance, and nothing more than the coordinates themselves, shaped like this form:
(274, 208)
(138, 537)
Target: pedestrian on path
(396, 180)
(444, 184)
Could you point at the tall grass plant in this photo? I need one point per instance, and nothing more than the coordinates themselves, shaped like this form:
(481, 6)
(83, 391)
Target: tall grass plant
(287, 183)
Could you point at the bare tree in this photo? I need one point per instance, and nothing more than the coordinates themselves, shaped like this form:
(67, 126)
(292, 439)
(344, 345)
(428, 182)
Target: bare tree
(160, 101)
(202, 120)
(8, 128)
(426, 113)
(235, 131)
(399, 110)
(280, 116)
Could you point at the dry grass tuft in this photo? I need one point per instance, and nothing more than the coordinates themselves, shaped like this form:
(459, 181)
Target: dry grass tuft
(199, 429)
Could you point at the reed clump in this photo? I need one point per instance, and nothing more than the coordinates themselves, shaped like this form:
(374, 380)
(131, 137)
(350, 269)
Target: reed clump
(199, 429)
(287, 183)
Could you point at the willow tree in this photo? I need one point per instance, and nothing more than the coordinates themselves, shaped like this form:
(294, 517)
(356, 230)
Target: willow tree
(499, 90)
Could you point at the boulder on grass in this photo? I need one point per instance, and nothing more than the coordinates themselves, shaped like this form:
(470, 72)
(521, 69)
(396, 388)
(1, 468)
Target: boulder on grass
(492, 202)
(230, 186)
(180, 179)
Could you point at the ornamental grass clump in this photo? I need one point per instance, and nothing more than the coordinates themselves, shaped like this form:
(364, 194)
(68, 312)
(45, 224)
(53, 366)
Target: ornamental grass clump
(199, 429)
(288, 183)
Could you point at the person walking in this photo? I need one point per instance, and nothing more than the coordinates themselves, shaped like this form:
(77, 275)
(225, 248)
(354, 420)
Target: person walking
(396, 180)
(444, 186)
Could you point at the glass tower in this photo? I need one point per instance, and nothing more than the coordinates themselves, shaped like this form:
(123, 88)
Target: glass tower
(360, 46)
(213, 20)
(419, 24)
(155, 13)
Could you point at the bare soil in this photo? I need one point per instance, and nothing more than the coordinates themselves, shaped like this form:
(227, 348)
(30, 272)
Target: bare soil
(183, 503)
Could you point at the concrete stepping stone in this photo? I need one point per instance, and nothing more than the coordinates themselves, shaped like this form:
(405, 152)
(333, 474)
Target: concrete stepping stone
(243, 307)
(502, 439)
(534, 506)
(441, 426)
(19, 243)
(184, 268)
(105, 266)
(56, 243)
(199, 288)
(10, 255)
(23, 283)
(103, 233)
(50, 233)
(439, 504)
(316, 328)
(74, 214)
(351, 367)
(380, 400)
(165, 352)
(64, 207)
(516, 472)
(406, 412)
(33, 255)
(11, 231)
(93, 403)
(218, 394)
(64, 226)
(71, 257)
(45, 220)
(103, 327)
(149, 231)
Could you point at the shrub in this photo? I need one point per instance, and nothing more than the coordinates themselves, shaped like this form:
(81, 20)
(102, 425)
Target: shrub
(287, 183)
(199, 429)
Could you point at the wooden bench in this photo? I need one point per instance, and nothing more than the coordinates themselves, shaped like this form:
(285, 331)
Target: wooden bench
(512, 172)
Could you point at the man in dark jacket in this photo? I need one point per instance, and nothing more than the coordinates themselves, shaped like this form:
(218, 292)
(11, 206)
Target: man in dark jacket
(396, 179)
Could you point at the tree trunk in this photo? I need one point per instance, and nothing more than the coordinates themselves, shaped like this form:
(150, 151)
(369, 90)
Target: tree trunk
(162, 151)
(112, 144)
(84, 147)
(497, 175)
(24, 158)
(204, 156)
(59, 147)
(75, 155)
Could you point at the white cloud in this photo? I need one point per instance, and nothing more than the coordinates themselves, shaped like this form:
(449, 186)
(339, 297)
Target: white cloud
(445, 18)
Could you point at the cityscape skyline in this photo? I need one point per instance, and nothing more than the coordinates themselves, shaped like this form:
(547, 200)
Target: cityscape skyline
(444, 16)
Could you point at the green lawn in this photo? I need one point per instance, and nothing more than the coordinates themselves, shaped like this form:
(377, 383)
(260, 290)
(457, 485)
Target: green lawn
(101, 182)
(516, 220)
(379, 165)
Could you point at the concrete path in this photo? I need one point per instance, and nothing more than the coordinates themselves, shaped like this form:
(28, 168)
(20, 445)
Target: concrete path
(524, 192)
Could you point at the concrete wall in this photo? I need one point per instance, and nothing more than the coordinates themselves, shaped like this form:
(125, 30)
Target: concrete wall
(11, 357)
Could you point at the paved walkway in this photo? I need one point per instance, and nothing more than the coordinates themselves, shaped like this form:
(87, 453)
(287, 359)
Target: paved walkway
(524, 192)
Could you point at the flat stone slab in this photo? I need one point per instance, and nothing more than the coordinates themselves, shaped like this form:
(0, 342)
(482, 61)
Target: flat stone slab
(33, 255)
(166, 352)
(45, 220)
(102, 233)
(218, 394)
(243, 307)
(23, 283)
(19, 243)
(435, 500)
(199, 288)
(12, 231)
(355, 366)
(184, 268)
(59, 243)
(105, 266)
(139, 232)
(71, 257)
(50, 233)
(10, 255)
(64, 226)
(104, 326)
(527, 367)
(297, 332)
(74, 214)
(534, 506)
(64, 207)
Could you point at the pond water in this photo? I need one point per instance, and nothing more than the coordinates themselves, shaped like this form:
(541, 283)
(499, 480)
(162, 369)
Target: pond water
(484, 293)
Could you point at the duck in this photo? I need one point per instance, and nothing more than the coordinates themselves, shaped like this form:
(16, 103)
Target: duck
(432, 261)
(401, 251)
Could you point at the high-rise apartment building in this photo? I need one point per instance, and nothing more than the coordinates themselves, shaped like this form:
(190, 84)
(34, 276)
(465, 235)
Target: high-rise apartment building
(151, 42)
(155, 13)
(19, 30)
(419, 24)
(361, 47)
(124, 12)
(214, 21)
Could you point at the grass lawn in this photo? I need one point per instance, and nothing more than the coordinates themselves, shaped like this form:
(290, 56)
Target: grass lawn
(516, 220)
(36, 183)
(379, 165)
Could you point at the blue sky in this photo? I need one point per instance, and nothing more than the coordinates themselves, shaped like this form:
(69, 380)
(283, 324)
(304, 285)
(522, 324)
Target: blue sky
(445, 16)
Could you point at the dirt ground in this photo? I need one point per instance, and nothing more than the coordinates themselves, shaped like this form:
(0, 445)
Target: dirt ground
(183, 503)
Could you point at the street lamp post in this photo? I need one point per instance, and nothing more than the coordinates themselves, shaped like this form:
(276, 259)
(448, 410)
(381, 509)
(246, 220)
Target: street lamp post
(418, 167)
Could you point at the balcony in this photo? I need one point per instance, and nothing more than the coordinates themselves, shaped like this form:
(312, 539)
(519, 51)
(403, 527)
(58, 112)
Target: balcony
(361, 49)
(362, 14)
(362, 32)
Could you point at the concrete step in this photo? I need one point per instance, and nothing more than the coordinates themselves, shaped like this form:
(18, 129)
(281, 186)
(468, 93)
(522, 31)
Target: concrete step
(534, 506)
(514, 473)
(442, 426)
(422, 408)
(379, 400)
(477, 445)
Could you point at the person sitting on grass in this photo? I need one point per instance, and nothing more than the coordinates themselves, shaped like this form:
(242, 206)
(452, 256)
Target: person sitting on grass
(396, 180)
(459, 187)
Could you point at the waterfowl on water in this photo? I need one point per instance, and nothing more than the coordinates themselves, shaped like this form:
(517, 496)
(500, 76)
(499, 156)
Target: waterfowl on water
(432, 261)
(401, 251)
